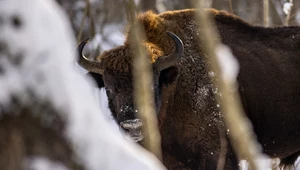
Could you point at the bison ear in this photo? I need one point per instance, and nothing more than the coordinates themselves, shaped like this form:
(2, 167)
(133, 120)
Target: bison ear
(97, 78)
(168, 76)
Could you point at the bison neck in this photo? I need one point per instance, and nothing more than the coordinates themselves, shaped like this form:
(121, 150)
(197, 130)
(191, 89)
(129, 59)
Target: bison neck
(191, 123)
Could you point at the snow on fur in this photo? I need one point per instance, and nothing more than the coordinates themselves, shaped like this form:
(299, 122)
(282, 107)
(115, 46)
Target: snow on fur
(42, 163)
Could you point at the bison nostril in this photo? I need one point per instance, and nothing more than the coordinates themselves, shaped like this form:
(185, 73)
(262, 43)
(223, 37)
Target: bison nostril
(131, 124)
(133, 129)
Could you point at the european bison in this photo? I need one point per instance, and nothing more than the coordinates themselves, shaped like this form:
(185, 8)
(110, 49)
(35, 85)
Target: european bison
(190, 121)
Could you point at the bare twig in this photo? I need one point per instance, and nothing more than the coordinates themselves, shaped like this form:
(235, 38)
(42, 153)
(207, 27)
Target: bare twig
(142, 73)
(86, 13)
(241, 135)
(90, 16)
(105, 17)
(230, 6)
(278, 10)
(266, 13)
(79, 36)
(288, 12)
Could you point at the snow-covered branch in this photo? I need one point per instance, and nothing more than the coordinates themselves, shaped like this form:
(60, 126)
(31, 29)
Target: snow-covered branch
(39, 83)
(287, 9)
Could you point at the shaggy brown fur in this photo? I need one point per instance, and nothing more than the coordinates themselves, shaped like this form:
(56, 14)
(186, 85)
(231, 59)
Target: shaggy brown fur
(115, 59)
(190, 121)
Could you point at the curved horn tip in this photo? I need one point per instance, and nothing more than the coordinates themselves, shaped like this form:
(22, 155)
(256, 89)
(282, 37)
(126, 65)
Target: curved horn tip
(178, 42)
(171, 34)
(81, 45)
(174, 36)
(84, 42)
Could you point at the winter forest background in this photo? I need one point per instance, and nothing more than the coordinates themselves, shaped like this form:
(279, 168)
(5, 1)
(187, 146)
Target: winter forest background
(104, 21)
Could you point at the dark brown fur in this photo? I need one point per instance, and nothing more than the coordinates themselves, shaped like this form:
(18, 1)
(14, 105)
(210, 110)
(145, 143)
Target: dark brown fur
(189, 120)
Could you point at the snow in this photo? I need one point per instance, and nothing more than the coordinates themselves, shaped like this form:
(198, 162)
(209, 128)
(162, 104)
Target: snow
(43, 45)
(113, 37)
(109, 38)
(160, 6)
(287, 7)
(42, 163)
(228, 63)
(264, 163)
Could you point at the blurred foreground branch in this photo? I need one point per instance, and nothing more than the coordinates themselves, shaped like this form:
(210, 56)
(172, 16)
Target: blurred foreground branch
(42, 118)
(87, 14)
(241, 134)
(142, 73)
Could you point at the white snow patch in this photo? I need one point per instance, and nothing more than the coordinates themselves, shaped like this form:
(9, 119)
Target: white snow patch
(137, 2)
(266, 163)
(287, 7)
(42, 163)
(263, 163)
(160, 6)
(47, 67)
(110, 38)
(228, 63)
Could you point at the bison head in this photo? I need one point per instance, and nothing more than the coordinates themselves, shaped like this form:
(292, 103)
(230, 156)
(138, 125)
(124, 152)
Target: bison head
(116, 76)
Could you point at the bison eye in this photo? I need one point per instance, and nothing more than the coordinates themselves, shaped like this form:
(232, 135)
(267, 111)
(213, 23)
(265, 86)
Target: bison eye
(108, 90)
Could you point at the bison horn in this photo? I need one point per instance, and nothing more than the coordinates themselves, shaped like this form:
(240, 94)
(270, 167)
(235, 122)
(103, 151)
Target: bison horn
(89, 65)
(170, 60)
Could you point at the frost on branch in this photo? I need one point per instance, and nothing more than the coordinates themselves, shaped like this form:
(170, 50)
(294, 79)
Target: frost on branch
(47, 111)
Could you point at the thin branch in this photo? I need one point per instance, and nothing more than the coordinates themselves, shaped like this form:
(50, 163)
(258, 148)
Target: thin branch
(277, 18)
(105, 19)
(90, 16)
(266, 13)
(288, 12)
(79, 36)
(277, 8)
(230, 6)
(241, 134)
(142, 73)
